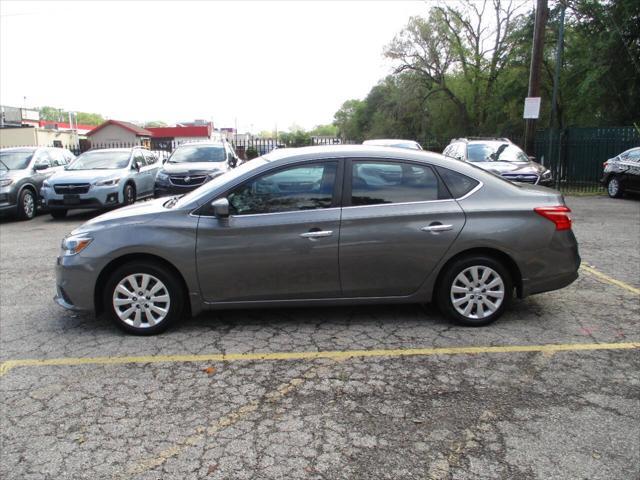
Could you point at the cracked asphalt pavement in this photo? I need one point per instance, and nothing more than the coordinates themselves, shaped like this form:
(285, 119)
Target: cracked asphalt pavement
(526, 415)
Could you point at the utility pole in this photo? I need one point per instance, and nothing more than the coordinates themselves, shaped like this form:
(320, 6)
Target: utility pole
(534, 71)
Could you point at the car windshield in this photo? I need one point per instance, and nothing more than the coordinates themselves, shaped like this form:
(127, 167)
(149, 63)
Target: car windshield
(16, 160)
(100, 160)
(197, 194)
(495, 152)
(208, 153)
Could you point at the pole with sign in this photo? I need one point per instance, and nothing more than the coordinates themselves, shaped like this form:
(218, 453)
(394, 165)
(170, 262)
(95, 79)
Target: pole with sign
(531, 112)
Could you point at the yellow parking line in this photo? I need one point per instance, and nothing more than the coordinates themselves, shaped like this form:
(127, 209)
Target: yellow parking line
(336, 355)
(610, 280)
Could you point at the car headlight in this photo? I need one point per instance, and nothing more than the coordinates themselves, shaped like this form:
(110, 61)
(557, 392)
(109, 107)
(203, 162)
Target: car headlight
(5, 182)
(546, 175)
(75, 244)
(46, 184)
(163, 177)
(213, 175)
(105, 183)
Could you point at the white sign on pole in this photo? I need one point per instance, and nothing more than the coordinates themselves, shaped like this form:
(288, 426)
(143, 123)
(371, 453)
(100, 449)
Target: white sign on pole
(531, 107)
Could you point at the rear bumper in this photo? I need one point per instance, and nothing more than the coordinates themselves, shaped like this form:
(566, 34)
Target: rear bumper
(556, 282)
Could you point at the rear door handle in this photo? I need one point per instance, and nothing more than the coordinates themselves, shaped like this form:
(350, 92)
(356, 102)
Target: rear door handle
(317, 234)
(437, 228)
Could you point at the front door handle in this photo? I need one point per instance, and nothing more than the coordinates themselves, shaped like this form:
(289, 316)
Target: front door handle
(317, 234)
(437, 228)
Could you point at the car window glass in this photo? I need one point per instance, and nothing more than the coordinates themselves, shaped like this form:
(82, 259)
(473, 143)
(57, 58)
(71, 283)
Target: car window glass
(43, 157)
(457, 183)
(139, 157)
(150, 158)
(633, 155)
(307, 187)
(374, 183)
(57, 159)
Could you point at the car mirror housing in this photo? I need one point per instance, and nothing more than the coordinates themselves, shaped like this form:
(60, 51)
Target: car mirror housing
(40, 166)
(220, 207)
(136, 165)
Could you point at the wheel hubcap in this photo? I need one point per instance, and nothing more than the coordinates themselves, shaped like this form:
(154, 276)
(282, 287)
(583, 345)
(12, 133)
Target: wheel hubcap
(613, 187)
(29, 205)
(141, 300)
(477, 292)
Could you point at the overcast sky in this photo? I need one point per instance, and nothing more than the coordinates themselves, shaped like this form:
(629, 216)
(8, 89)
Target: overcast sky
(264, 63)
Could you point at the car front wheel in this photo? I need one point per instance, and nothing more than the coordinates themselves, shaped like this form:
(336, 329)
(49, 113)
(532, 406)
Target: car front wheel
(474, 291)
(614, 188)
(129, 194)
(26, 205)
(143, 298)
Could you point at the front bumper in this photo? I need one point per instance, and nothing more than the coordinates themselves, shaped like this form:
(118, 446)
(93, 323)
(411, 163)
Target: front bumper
(8, 202)
(95, 198)
(76, 278)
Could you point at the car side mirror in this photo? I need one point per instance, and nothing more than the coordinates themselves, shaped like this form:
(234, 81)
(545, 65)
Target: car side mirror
(136, 165)
(40, 166)
(220, 207)
(532, 158)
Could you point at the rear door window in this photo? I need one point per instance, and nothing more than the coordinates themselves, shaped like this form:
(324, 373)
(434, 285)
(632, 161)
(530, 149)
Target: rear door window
(380, 182)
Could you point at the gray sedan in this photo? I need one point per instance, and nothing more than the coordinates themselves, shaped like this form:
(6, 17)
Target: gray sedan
(324, 226)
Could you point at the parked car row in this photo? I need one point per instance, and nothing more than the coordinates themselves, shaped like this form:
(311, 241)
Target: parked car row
(55, 180)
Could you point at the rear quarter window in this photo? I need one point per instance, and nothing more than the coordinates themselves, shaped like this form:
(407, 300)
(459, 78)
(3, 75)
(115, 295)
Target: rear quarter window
(457, 183)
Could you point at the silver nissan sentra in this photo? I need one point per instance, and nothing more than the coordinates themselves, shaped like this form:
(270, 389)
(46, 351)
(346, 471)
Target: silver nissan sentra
(324, 226)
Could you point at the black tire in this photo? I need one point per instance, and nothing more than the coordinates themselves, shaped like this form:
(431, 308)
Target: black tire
(171, 284)
(614, 187)
(445, 286)
(27, 205)
(58, 213)
(129, 194)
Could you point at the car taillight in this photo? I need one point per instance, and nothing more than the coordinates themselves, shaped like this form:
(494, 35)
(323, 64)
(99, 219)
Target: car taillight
(558, 215)
(604, 164)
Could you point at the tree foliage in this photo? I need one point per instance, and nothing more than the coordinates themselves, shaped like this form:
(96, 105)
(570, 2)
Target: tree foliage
(59, 115)
(463, 70)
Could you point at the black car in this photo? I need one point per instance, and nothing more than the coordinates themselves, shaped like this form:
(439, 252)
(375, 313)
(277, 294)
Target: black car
(192, 165)
(500, 156)
(622, 173)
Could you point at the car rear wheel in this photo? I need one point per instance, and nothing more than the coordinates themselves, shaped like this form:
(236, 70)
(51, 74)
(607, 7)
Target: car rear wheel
(26, 205)
(474, 291)
(614, 188)
(58, 213)
(129, 194)
(143, 298)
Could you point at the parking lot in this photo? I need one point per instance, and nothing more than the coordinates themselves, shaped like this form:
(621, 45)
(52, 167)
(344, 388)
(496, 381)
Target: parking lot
(551, 390)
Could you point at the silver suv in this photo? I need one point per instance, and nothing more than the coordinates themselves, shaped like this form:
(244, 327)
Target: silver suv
(500, 156)
(22, 171)
(101, 179)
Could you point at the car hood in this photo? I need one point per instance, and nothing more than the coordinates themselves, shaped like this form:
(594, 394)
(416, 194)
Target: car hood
(86, 176)
(195, 168)
(134, 214)
(523, 168)
(15, 174)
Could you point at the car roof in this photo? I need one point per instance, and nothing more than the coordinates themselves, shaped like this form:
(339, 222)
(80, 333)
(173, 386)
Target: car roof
(202, 144)
(113, 149)
(20, 149)
(357, 151)
(385, 141)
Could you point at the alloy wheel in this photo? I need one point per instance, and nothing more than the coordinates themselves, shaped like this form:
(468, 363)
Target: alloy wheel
(613, 188)
(28, 205)
(477, 292)
(141, 300)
